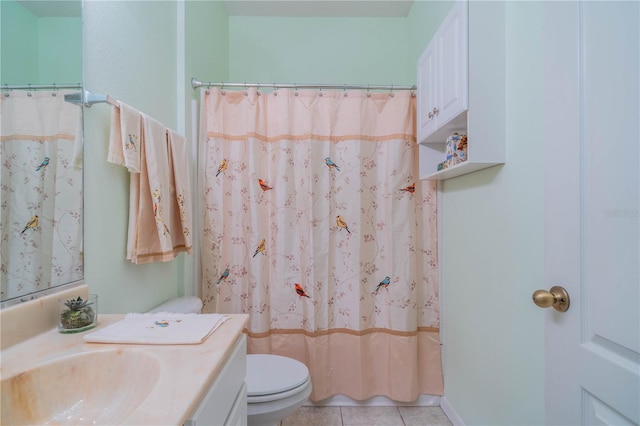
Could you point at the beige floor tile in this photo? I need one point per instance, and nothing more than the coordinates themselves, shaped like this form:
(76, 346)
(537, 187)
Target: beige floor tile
(314, 416)
(371, 416)
(424, 416)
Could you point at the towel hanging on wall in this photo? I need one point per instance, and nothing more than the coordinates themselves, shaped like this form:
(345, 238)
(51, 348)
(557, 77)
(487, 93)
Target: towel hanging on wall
(159, 195)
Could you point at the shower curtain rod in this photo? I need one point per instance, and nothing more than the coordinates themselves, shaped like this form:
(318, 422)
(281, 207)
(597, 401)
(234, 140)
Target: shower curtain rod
(40, 86)
(84, 97)
(197, 83)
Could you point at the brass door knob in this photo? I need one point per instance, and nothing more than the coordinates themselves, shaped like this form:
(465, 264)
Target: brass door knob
(556, 297)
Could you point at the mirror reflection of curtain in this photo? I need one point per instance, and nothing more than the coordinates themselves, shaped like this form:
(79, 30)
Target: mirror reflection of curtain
(41, 184)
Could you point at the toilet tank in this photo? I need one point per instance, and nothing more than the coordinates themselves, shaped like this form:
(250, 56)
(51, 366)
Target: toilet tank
(180, 305)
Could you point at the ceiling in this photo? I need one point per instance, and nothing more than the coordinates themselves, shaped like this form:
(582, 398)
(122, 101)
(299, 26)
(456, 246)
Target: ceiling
(319, 8)
(53, 8)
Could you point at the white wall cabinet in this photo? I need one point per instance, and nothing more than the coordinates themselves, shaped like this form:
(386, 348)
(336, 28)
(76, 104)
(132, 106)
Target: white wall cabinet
(225, 403)
(461, 87)
(442, 79)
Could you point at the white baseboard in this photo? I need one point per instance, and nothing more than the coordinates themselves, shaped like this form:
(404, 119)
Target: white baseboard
(453, 416)
(376, 401)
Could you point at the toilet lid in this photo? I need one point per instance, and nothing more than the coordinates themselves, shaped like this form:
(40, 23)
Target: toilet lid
(270, 374)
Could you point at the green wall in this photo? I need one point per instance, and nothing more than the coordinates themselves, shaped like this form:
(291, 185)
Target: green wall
(39, 50)
(60, 50)
(207, 41)
(319, 50)
(18, 34)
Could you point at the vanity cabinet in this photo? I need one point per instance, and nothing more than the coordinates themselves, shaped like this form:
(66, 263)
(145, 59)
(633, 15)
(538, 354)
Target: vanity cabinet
(225, 403)
(461, 88)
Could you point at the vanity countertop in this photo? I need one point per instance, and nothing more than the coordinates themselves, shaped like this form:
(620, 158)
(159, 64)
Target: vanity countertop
(187, 371)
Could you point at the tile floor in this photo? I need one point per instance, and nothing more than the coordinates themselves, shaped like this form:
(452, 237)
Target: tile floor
(367, 416)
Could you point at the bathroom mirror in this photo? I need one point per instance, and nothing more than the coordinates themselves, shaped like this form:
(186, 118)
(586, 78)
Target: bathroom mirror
(42, 193)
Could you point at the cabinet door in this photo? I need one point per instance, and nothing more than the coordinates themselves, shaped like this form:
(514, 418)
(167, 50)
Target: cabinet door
(426, 86)
(452, 47)
(220, 402)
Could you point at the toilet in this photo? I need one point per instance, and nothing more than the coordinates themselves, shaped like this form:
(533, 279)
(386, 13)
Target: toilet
(276, 385)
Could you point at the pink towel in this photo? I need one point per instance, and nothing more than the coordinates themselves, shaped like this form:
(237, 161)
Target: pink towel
(153, 241)
(159, 190)
(181, 213)
(126, 133)
(131, 130)
(115, 154)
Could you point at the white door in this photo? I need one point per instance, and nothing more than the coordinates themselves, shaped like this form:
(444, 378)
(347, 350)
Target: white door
(592, 216)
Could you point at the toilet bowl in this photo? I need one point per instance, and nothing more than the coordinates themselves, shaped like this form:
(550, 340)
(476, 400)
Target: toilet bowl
(276, 385)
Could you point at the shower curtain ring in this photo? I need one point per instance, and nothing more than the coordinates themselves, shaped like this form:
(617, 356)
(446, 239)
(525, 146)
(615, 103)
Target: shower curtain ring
(368, 90)
(222, 92)
(391, 94)
(55, 89)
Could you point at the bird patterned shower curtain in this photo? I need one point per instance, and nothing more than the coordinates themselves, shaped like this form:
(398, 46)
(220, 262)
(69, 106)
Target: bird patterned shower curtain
(316, 225)
(41, 156)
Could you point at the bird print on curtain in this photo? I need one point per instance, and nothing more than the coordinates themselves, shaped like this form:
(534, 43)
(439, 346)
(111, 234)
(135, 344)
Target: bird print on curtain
(31, 224)
(45, 163)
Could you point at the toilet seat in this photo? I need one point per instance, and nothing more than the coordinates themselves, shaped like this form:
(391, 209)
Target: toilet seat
(273, 377)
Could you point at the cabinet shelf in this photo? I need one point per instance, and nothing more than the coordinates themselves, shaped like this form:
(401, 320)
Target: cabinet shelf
(458, 170)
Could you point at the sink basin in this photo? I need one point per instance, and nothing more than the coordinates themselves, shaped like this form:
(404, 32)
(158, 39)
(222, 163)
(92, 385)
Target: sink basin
(100, 387)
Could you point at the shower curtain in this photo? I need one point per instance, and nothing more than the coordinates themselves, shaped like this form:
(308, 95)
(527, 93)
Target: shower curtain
(41, 138)
(316, 224)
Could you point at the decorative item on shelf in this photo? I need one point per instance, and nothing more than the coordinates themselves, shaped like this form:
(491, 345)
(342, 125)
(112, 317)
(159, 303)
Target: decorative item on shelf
(451, 148)
(76, 315)
(456, 148)
(460, 153)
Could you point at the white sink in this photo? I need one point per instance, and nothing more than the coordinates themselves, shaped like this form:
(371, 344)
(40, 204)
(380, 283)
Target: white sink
(99, 387)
